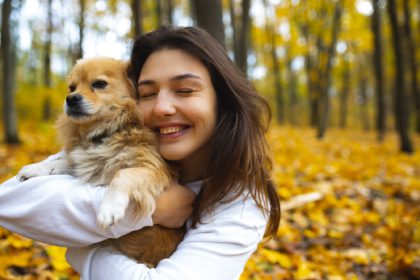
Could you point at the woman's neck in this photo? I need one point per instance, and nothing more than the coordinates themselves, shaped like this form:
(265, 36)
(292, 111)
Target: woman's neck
(193, 167)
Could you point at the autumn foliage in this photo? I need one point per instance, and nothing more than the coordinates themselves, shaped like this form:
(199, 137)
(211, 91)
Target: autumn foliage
(363, 226)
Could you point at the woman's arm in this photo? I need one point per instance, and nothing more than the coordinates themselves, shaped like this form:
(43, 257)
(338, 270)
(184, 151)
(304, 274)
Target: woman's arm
(60, 210)
(216, 249)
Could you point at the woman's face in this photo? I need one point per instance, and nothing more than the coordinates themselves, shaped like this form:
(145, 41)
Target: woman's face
(179, 103)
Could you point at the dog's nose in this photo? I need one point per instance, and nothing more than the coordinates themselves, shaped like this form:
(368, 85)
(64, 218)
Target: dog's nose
(73, 99)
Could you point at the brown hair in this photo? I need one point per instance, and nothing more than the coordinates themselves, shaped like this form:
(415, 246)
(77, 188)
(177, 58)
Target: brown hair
(239, 160)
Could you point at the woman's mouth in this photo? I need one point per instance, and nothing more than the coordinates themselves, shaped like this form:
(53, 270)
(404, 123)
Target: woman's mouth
(172, 131)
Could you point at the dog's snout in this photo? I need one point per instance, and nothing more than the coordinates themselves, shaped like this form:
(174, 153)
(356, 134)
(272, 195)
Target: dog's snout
(73, 100)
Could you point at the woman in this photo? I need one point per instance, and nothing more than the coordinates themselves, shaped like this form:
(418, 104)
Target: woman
(210, 122)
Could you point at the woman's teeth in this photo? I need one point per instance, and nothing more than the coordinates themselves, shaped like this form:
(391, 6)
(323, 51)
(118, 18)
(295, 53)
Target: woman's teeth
(169, 130)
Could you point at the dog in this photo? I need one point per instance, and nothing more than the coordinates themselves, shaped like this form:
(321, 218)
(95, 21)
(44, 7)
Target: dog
(106, 144)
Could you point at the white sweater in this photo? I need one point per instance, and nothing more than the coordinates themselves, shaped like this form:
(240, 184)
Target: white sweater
(59, 210)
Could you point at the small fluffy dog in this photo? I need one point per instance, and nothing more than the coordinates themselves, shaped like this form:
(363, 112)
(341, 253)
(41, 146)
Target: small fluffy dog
(106, 144)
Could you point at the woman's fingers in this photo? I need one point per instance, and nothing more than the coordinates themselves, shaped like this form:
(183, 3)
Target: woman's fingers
(174, 206)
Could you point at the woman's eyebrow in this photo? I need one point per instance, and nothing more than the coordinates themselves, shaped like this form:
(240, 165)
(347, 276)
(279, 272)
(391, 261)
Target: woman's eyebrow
(176, 78)
(145, 82)
(185, 76)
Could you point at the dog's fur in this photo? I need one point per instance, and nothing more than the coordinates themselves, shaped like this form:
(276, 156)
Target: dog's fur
(106, 144)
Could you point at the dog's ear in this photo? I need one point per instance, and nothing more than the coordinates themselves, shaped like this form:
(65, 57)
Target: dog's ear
(133, 89)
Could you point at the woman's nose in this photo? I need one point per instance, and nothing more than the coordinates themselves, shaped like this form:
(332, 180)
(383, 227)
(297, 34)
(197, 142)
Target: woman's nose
(164, 105)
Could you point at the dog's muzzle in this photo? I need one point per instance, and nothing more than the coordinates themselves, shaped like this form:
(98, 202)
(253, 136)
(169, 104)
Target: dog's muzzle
(75, 105)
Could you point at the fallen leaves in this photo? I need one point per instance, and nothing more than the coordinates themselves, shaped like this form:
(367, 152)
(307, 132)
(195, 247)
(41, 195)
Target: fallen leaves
(365, 226)
(22, 258)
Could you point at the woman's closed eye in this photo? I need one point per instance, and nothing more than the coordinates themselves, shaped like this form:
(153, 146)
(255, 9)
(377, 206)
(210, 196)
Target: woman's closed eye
(147, 94)
(184, 90)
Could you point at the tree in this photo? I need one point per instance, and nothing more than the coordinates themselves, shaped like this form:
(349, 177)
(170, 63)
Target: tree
(362, 94)
(325, 79)
(241, 32)
(400, 96)
(137, 11)
(411, 58)
(82, 4)
(378, 69)
(209, 16)
(277, 73)
(9, 69)
(164, 11)
(291, 88)
(46, 110)
(345, 91)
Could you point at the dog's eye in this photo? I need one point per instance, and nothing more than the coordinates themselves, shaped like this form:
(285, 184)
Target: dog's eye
(72, 88)
(99, 84)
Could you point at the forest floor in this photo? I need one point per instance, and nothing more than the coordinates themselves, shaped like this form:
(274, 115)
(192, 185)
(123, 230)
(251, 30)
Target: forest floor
(361, 220)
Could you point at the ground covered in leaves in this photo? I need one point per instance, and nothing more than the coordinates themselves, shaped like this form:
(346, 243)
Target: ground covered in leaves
(364, 223)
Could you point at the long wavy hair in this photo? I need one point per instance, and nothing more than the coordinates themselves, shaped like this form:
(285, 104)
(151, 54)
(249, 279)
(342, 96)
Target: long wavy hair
(239, 161)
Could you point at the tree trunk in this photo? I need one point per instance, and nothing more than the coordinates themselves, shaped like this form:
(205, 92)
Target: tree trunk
(136, 9)
(234, 27)
(278, 89)
(280, 108)
(363, 84)
(209, 15)
(164, 11)
(325, 84)
(304, 27)
(344, 96)
(46, 108)
(9, 67)
(47, 47)
(379, 70)
(243, 37)
(400, 96)
(82, 4)
(411, 58)
(291, 89)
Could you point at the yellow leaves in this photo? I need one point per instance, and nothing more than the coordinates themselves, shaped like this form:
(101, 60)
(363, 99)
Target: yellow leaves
(366, 224)
(275, 257)
(58, 259)
(358, 256)
(21, 258)
(18, 242)
(305, 270)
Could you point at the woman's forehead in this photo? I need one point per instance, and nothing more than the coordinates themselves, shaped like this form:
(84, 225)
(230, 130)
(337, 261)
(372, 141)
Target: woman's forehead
(170, 63)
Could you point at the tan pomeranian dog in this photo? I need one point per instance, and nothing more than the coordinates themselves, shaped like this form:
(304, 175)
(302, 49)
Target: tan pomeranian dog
(106, 144)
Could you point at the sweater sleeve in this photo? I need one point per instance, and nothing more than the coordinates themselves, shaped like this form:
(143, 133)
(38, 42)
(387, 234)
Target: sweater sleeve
(59, 210)
(217, 249)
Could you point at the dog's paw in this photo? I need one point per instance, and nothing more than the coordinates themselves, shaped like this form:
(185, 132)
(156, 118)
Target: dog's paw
(112, 208)
(43, 168)
(33, 170)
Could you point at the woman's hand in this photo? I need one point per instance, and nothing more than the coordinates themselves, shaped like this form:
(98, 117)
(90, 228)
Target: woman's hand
(174, 206)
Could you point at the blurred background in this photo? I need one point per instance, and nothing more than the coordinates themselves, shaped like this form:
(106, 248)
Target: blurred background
(342, 79)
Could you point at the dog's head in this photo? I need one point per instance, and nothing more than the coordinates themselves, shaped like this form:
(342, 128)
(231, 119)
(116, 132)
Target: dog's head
(97, 87)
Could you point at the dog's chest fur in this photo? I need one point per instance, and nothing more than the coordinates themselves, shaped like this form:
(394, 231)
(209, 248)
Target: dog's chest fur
(95, 160)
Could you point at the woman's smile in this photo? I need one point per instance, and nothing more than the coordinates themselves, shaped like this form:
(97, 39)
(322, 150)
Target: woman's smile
(169, 131)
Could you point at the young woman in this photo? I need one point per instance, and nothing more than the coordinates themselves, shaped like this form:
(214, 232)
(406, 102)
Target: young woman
(209, 121)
